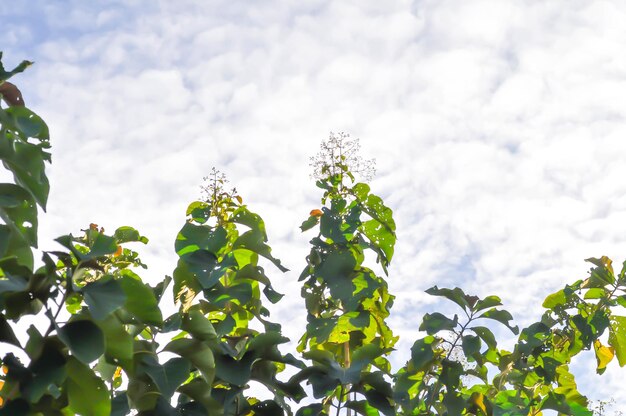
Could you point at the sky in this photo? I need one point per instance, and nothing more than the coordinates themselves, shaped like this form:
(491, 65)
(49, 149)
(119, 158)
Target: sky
(497, 128)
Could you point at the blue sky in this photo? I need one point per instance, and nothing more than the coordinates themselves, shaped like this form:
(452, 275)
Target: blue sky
(497, 127)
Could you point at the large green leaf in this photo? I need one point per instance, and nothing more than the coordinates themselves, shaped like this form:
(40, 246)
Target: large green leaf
(196, 324)
(119, 405)
(13, 244)
(456, 295)
(26, 161)
(422, 352)
(617, 338)
(48, 370)
(168, 377)
(502, 316)
(254, 240)
(555, 299)
(195, 237)
(331, 226)
(199, 390)
(486, 335)
(87, 393)
(337, 269)
(118, 341)
(471, 345)
(84, 339)
(197, 352)
(245, 217)
(435, 322)
(28, 123)
(128, 234)
(6, 332)
(103, 297)
(103, 245)
(140, 300)
(18, 210)
(381, 236)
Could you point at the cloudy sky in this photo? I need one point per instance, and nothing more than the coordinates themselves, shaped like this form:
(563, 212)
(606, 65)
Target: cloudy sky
(498, 128)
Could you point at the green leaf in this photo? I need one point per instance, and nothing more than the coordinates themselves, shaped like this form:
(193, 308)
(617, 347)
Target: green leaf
(456, 295)
(191, 238)
(556, 299)
(381, 236)
(422, 352)
(5, 75)
(361, 190)
(380, 402)
(128, 234)
(309, 223)
(48, 369)
(103, 297)
(451, 372)
(255, 240)
(16, 407)
(143, 394)
(177, 371)
(311, 410)
(167, 377)
(119, 405)
(87, 393)
(11, 283)
(19, 212)
(196, 324)
(200, 391)
(453, 401)
(118, 341)
(140, 300)
(267, 408)
(337, 270)
(272, 295)
(488, 302)
(27, 162)
(6, 332)
(435, 322)
(486, 335)
(232, 371)
(13, 244)
(245, 217)
(197, 352)
(84, 338)
(471, 345)
(28, 123)
(502, 316)
(103, 245)
(617, 338)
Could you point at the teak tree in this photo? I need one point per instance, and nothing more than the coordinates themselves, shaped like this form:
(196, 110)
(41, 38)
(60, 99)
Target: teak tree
(102, 346)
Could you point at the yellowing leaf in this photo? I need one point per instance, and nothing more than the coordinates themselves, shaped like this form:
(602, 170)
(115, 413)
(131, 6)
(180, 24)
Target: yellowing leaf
(316, 213)
(604, 354)
(477, 400)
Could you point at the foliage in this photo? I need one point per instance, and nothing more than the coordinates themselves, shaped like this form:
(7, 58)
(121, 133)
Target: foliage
(106, 348)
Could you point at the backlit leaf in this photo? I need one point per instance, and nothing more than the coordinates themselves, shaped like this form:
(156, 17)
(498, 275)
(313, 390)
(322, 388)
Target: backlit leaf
(604, 355)
(84, 339)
